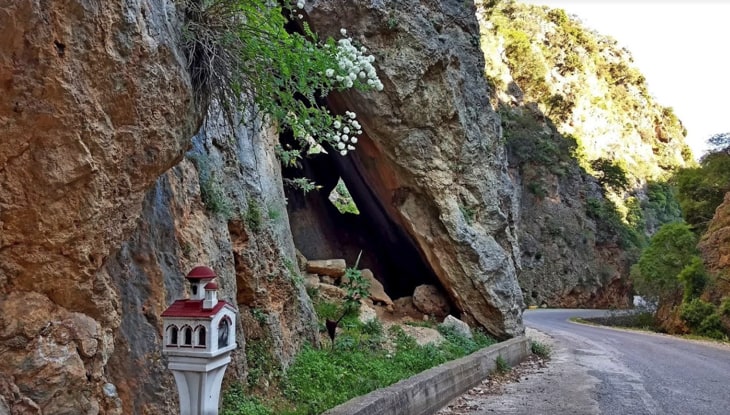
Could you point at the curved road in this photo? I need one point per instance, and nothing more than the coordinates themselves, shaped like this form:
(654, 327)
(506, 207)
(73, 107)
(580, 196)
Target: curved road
(596, 370)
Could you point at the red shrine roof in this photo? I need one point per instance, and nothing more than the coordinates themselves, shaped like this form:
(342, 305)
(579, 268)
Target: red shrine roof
(201, 273)
(211, 286)
(191, 308)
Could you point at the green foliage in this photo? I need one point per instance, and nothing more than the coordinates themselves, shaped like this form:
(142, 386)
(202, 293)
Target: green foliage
(468, 213)
(259, 315)
(611, 228)
(661, 205)
(540, 349)
(527, 67)
(530, 141)
(693, 278)
(670, 250)
(253, 218)
(214, 198)
(621, 74)
(558, 107)
(712, 327)
(634, 213)
(261, 364)
(342, 199)
(237, 402)
(643, 320)
(356, 288)
(725, 307)
(211, 191)
(695, 311)
(239, 50)
(502, 365)
(611, 174)
(537, 188)
(321, 379)
(702, 318)
(302, 183)
(702, 189)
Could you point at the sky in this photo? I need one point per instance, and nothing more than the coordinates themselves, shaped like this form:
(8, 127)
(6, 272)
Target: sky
(681, 46)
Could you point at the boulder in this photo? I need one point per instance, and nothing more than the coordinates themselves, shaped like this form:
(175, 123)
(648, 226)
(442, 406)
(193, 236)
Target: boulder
(424, 335)
(430, 301)
(334, 268)
(377, 292)
(457, 325)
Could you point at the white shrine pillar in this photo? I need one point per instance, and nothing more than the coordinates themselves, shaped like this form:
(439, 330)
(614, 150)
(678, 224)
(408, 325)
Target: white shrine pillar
(198, 340)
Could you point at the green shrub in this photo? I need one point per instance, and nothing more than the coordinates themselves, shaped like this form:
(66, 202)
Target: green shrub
(254, 219)
(693, 278)
(540, 349)
(214, 198)
(702, 189)
(695, 312)
(711, 327)
(236, 402)
(725, 307)
(502, 365)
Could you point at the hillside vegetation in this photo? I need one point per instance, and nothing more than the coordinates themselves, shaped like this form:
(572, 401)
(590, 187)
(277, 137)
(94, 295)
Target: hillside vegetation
(590, 147)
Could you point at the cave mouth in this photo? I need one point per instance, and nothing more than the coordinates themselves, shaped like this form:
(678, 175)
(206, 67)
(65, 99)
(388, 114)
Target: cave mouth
(321, 231)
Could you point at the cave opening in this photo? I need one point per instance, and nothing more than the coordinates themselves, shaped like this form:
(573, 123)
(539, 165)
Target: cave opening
(321, 231)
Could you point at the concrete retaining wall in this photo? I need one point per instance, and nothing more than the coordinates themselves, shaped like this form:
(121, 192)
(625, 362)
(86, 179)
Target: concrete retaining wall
(427, 392)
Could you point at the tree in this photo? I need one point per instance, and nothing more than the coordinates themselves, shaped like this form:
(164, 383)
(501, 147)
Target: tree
(702, 189)
(610, 174)
(670, 250)
(261, 50)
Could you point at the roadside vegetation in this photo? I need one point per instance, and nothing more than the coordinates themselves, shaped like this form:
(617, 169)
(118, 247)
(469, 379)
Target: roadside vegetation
(671, 272)
(655, 207)
(362, 357)
(540, 349)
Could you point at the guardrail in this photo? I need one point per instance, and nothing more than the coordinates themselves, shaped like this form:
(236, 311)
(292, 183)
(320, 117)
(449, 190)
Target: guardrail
(428, 391)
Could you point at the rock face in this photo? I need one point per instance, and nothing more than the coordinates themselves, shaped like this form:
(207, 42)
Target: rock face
(568, 97)
(714, 247)
(568, 260)
(431, 155)
(96, 105)
(221, 206)
(84, 135)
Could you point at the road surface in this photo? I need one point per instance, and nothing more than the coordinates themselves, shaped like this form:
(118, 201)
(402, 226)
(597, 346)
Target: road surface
(596, 370)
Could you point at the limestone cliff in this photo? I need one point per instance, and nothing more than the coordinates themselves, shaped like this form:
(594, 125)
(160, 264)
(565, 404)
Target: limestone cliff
(84, 135)
(569, 97)
(98, 228)
(431, 161)
(715, 249)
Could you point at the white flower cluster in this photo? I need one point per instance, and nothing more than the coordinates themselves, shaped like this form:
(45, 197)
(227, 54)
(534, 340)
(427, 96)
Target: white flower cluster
(355, 64)
(300, 4)
(345, 133)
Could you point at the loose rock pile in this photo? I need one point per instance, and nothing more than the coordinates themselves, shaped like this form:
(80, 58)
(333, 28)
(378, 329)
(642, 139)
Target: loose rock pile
(427, 304)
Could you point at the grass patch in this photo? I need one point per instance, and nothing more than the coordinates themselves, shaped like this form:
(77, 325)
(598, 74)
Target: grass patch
(363, 358)
(540, 349)
(502, 365)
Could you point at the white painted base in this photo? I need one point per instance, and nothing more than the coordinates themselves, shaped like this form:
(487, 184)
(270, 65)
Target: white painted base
(199, 382)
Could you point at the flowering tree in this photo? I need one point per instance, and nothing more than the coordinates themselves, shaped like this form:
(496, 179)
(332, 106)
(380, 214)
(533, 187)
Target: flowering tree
(246, 49)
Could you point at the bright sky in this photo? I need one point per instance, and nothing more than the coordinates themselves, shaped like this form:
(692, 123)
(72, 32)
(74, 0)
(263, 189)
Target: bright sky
(681, 46)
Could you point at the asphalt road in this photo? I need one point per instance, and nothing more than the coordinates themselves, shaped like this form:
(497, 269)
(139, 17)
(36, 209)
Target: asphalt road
(596, 370)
